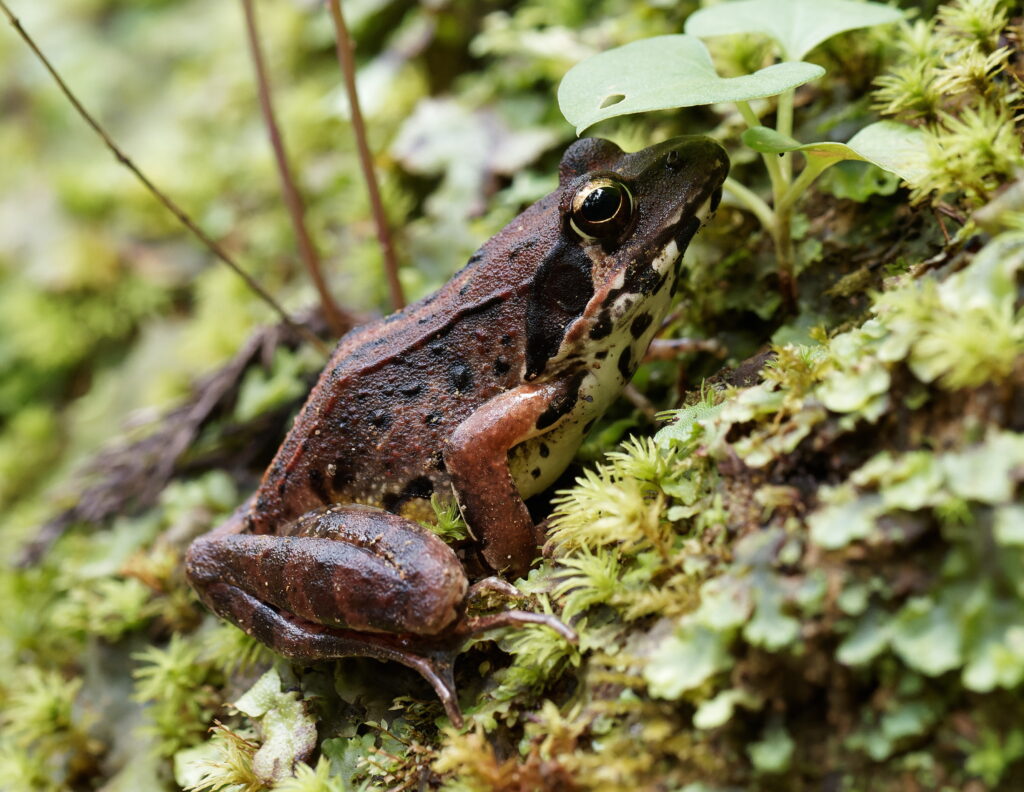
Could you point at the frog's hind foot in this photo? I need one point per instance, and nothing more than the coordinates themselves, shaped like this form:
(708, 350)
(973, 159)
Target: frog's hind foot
(474, 625)
(470, 626)
(303, 641)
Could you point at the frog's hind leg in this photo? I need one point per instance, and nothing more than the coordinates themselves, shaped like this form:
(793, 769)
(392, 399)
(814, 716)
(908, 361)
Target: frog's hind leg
(303, 641)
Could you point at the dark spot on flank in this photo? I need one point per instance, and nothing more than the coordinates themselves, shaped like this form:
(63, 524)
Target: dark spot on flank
(588, 426)
(318, 485)
(362, 395)
(602, 327)
(436, 348)
(535, 472)
(544, 450)
(390, 500)
(439, 461)
(601, 355)
(419, 487)
(626, 363)
(464, 290)
(506, 340)
(501, 366)
(343, 475)
(380, 419)
(521, 248)
(640, 324)
(431, 419)
(460, 376)
(410, 388)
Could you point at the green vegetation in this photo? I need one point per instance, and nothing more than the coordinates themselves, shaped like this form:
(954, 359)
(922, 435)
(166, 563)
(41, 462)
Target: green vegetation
(808, 575)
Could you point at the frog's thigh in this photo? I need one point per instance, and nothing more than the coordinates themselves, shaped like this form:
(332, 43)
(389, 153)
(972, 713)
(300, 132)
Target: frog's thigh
(476, 458)
(348, 567)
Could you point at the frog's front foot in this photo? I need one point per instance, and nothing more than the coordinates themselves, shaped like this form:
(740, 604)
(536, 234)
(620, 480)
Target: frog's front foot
(351, 581)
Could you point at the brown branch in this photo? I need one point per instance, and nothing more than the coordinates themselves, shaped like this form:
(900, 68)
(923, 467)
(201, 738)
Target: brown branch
(338, 320)
(166, 201)
(343, 45)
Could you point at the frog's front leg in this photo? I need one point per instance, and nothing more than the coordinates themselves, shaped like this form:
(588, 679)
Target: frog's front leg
(476, 458)
(346, 581)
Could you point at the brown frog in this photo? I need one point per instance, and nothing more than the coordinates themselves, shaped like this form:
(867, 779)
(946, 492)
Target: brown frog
(481, 392)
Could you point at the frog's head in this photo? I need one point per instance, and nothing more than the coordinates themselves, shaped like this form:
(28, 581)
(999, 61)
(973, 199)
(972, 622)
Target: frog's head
(625, 221)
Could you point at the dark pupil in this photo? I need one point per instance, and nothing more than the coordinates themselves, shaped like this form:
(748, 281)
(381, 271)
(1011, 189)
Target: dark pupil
(601, 204)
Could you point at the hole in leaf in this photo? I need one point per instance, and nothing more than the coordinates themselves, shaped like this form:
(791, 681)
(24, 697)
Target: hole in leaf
(611, 99)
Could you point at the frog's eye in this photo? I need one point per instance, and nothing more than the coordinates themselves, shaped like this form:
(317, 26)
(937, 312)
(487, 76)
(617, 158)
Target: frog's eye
(601, 208)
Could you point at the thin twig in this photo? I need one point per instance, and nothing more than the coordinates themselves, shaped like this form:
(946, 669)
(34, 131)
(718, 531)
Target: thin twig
(166, 201)
(338, 320)
(343, 45)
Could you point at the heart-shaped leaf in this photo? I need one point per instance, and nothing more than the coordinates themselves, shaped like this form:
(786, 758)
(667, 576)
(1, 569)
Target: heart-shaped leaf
(892, 146)
(662, 73)
(798, 26)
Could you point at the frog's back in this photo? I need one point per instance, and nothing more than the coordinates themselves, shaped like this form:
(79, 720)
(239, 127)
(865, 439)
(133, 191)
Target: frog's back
(375, 426)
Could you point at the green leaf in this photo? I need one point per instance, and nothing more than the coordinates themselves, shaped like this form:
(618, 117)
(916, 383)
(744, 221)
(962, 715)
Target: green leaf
(837, 524)
(287, 728)
(892, 146)
(798, 26)
(686, 660)
(774, 752)
(662, 73)
(926, 637)
(719, 710)
(869, 639)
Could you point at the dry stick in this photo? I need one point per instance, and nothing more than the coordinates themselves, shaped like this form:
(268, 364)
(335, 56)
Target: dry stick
(168, 204)
(343, 45)
(338, 320)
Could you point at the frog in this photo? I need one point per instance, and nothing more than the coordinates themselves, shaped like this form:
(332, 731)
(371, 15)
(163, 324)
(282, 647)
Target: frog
(477, 395)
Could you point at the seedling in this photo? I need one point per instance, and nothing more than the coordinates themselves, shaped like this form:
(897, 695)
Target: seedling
(668, 72)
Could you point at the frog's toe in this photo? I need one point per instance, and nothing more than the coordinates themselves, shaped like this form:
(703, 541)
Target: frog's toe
(474, 625)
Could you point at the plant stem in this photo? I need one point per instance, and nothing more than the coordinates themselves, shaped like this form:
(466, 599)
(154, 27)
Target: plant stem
(812, 170)
(153, 190)
(337, 320)
(753, 202)
(784, 126)
(346, 59)
(771, 161)
(782, 232)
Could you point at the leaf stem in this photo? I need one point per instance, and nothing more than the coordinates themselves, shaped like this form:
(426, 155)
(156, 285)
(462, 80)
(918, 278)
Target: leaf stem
(751, 201)
(771, 161)
(781, 225)
(346, 60)
(812, 170)
(153, 190)
(338, 320)
(784, 126)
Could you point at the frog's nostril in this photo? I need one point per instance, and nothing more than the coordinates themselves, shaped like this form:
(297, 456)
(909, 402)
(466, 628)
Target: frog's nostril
(673, 161)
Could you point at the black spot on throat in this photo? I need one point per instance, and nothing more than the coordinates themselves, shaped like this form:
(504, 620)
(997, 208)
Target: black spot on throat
(626, 363)
(562, 406)
(640, 324)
